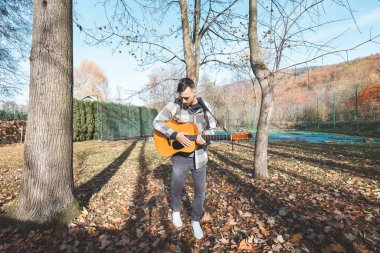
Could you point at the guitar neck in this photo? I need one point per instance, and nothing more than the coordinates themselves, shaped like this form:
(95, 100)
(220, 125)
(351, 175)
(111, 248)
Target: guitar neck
(214, 137)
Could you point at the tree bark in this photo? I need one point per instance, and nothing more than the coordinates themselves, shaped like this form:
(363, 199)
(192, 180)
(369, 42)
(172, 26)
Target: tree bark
(197, 39)
(47, 183)
(187, 43)
(265, 79)
(262, 133)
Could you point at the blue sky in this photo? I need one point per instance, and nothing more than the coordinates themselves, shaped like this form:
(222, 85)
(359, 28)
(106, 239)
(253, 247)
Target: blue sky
(367, 17)
(122, 69)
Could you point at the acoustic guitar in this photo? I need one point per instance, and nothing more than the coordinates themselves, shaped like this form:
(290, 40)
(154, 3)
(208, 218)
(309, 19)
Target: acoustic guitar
(168, 147)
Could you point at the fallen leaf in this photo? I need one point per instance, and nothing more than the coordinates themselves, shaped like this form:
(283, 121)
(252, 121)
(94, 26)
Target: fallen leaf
(196, 250)
(350, 236)
(296, 238)
(336, 247)
(361, 248)
(245, 246)
(280, 239)
(264, 230)
(139, 233)
(224, 241)
(91, 230)
(206, 217)
(104, 242)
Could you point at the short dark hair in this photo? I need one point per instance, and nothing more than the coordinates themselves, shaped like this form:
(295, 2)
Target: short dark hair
(184, 83)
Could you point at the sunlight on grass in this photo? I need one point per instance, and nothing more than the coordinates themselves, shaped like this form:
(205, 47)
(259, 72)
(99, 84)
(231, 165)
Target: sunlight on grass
(318, 196)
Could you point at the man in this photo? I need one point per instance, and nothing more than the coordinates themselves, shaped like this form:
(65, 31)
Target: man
(187, 108)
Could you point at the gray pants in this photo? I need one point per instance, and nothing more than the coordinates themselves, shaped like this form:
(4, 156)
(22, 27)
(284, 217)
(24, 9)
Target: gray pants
(181, 167)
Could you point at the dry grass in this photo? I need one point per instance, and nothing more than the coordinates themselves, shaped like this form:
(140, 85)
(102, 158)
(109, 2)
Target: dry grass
(320, 198)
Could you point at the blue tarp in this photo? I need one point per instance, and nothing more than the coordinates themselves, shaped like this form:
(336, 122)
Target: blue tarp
(310, 137)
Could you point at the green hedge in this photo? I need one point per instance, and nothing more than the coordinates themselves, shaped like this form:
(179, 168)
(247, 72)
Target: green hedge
(116, 121)
(12, 115)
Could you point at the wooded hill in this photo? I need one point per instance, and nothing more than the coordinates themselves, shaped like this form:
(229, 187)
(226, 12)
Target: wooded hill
(336, 78)
(312, 91)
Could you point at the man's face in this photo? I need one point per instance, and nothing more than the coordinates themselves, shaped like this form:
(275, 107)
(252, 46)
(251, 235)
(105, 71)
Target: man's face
(188, 96)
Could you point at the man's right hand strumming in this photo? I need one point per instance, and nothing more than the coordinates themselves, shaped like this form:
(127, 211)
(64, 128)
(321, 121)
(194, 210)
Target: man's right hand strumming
(183, 139)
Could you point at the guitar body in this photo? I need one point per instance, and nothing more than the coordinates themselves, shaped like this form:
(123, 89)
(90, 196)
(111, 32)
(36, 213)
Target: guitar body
(168, 147)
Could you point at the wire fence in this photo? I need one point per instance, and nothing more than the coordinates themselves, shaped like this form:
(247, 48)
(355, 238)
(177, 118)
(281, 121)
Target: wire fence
(353, 110)
(119, 121)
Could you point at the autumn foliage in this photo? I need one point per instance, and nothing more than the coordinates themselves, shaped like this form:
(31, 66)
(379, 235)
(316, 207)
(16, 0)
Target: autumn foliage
(89, 79)
(362, 70)
(312, 94)
(370, 95)
(308, 93)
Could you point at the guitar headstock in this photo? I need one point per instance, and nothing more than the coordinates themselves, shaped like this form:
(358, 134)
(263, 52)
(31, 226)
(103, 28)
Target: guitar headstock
(241, 136)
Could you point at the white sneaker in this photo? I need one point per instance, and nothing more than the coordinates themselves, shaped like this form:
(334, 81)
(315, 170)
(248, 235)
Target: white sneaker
(176, 218)
(198, 232)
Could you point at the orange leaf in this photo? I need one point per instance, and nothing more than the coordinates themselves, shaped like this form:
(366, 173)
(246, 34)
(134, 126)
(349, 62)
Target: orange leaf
(336, 247)
(206, 217)
(264, 231)
(91, 230)
(245, 246)
(296, 239)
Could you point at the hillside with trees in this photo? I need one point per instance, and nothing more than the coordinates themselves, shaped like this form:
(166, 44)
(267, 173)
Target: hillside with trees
(304, 95)
(333, 78)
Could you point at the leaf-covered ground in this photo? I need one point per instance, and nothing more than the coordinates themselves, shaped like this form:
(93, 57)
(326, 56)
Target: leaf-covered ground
(320, 198)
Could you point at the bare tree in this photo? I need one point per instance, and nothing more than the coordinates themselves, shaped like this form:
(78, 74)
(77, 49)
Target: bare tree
(10, 105)
(209, 31)
(161, 87)
(47, 181)
(89, 79)
(284, 30)
(15, 27)
(214, 95)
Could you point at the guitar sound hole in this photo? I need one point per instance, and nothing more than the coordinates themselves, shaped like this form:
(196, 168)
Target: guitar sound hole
(177, 145)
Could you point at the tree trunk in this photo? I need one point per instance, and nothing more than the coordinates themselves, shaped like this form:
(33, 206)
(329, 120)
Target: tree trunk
(265, 78)
(197, 40)
(47, 183)
(261, 143)
(187, 43)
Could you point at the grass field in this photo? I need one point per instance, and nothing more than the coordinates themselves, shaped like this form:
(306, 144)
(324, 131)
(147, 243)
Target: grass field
(320, 198)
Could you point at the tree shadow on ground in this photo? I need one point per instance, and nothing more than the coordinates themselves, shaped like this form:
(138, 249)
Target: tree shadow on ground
(139, 223)
(367, 172)
(333, 206)
(54, 237)
(149, 225)
(333, 150)
(296, 220)
(163, 172)
(345, 195)
(85, 191)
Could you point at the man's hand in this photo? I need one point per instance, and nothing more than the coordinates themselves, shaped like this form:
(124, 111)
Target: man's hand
(183, 139)
(200, 140)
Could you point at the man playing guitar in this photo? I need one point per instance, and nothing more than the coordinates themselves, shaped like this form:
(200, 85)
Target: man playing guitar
(188, 108)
